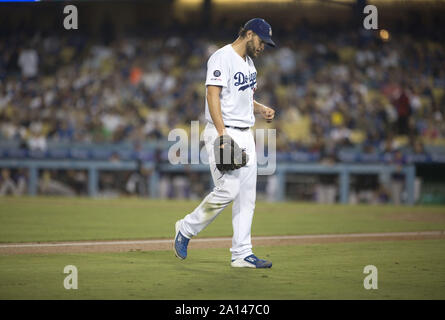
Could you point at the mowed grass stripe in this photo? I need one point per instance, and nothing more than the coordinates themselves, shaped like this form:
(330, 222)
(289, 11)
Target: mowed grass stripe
(406, 270)
(74, 219)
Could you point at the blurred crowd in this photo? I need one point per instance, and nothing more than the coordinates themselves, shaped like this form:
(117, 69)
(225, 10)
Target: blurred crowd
(69, 90)
(349, 90)
(365, 93)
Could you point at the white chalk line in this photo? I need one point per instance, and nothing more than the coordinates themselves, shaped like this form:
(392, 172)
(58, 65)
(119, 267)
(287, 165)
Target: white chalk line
(164, 241)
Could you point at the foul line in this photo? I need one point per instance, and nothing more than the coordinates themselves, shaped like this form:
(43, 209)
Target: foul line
(163, 241)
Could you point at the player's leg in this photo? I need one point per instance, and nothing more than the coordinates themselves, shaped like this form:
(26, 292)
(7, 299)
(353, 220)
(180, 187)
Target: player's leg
(244, 204)
(242, 213)
(226, 189)
(242, 216)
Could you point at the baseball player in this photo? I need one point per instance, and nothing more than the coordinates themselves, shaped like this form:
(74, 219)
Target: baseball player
(229, 109)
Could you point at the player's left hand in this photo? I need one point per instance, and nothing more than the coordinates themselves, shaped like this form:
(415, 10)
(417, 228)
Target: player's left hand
(268, 113)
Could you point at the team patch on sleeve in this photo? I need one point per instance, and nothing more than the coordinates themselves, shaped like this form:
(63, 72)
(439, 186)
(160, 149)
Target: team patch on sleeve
(216, 76)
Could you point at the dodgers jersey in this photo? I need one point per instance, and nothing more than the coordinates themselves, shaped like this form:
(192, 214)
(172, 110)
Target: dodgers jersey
(237, 77)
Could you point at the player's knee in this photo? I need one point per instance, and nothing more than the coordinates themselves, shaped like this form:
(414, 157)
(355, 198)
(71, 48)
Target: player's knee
(233, 192)
(228, 193)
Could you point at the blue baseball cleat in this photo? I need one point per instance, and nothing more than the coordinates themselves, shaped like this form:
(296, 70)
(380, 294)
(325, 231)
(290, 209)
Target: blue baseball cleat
(181, 243)
(251, 262)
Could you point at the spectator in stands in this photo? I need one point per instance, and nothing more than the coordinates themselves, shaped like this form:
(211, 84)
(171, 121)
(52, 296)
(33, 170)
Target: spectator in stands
(7, 184)
(37, 141)
(327, 188)
(78, 179)
(28, 62)
(403, 107)
(180, 186)
(365, 188)
(137, 183)
(418, 150)
(20, 179)
(47, 185)
(392, 154)
(397, 179)
(174, 185)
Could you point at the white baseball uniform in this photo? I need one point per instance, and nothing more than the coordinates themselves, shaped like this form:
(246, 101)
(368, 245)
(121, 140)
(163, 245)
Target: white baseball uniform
(237, 77)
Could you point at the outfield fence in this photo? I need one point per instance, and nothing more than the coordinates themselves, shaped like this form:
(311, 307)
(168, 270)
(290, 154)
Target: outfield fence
(343, 171)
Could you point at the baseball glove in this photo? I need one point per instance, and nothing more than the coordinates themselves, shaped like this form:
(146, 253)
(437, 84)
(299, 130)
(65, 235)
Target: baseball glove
(228, 155)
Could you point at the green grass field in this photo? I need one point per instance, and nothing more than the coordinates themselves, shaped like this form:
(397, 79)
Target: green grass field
(406, 270)
(412, 269)
(57, 219)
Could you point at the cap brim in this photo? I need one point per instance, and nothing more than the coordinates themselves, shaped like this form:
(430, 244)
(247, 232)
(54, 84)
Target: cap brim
(269, 42)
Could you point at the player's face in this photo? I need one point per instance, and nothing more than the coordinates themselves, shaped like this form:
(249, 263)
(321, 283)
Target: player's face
(255, 46)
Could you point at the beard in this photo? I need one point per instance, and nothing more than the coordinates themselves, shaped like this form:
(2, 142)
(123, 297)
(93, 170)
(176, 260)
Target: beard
(250, 49)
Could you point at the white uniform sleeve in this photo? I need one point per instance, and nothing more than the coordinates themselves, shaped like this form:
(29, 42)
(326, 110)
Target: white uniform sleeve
(217, 70)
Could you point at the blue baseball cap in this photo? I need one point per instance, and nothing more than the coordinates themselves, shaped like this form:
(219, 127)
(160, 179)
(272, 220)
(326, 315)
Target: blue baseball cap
(262, 29)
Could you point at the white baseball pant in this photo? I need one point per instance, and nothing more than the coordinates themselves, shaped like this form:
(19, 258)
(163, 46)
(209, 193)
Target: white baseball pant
(238, 186)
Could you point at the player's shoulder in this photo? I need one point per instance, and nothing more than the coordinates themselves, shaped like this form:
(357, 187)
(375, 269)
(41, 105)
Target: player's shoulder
(223, 51)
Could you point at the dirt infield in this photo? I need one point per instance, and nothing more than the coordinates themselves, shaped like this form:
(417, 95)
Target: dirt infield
(166, 244)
